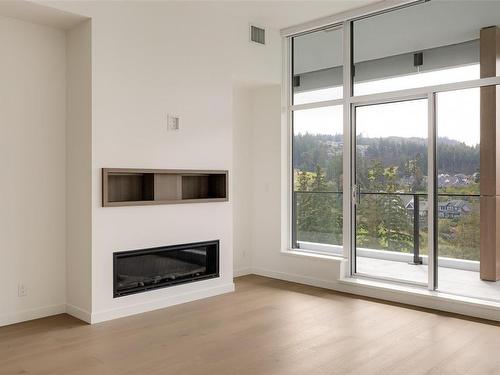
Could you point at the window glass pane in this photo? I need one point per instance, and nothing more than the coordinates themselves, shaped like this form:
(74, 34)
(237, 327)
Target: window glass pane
(318, 148)
(319, 221)
(458, 179)
(432, 43)
(391, 172)
(317, 176)
(317, 66)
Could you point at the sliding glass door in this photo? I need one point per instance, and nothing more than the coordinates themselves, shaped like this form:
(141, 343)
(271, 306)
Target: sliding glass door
(390, 200)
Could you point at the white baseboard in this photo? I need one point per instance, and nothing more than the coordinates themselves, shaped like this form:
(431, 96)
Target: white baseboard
(242, 272)
(422, 298)
(405, 295)
(42, 312)
(120, 312)
(433, 300)
(300, 279)
(78, 313)
(30, 314)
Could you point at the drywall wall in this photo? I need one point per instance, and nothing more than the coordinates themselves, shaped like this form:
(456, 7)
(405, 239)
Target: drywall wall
(150, 59)
(78, 170)
(267, 159)
(32, 159)
(264, 159)
(243, 178)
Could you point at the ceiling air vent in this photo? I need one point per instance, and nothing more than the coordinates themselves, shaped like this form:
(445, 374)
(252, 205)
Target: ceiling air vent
(257, 35)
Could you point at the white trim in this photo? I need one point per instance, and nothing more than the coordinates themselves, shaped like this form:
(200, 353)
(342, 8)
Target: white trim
(432, 272)
(242, 272)
(92, 318)
(399, 95)
(338, 18)
(399, 293)
(458, 264)
(161, 303)
(336, 250)
(78, 313)
(295, 278)
(286, 146)
(423, 91)
(352, 188)
(30, 314)
(382, 99)
(312, 255)
(390, 279)
(422, 297)
(346, 156)
(325, 103)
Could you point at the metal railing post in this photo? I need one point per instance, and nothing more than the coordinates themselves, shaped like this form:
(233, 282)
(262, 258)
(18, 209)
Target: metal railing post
(416, 230)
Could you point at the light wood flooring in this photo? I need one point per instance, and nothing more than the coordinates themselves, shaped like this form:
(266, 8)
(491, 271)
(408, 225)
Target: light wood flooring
(266, 327)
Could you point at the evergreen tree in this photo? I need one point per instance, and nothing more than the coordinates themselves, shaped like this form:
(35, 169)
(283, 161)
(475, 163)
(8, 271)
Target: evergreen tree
(383, 165)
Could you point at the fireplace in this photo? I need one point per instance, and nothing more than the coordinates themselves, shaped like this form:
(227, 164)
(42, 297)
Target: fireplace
(138, 271)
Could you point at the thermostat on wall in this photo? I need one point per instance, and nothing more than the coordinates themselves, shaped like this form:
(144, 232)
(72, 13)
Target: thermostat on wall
(172, 122)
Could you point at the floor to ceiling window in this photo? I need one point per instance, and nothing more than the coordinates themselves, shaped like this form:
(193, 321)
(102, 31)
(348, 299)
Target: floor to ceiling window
(317, 144)
(415, 93)
(317, 177)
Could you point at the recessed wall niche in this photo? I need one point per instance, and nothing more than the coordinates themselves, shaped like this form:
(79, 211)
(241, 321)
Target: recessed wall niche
(134, 187)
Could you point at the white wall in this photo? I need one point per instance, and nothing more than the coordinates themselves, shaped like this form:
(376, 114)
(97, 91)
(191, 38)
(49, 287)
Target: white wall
(267, 160)
(79, 170)
(242, 178)
(32, 159)
(264, 159)
(154, 58)
(150, 59)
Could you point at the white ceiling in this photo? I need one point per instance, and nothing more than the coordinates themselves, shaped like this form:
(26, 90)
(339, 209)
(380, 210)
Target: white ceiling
(269, 14)
(282, 14)
(38, 13)
(425, 26)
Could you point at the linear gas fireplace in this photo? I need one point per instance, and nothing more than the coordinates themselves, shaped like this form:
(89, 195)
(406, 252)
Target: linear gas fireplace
(141, 270)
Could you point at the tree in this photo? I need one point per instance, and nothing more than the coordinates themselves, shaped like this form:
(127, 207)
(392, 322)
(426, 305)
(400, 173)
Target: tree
(413, 169)
(382, 219)
(319, 212)
(383, 165)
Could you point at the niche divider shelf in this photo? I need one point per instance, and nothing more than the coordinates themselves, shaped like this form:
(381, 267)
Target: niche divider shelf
(137, 187)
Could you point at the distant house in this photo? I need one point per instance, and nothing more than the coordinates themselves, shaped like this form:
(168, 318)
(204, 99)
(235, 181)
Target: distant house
(453, 208)
(362, 149)
(443, 179)
(410, 207)
(334, 148)
(459, 179)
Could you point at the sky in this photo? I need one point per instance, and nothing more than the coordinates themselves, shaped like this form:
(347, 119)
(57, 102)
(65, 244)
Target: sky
(457, 113)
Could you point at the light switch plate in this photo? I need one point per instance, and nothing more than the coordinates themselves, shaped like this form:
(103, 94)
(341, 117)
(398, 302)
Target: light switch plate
(173, 122)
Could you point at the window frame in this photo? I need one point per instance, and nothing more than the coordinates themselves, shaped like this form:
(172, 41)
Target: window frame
(345, 22)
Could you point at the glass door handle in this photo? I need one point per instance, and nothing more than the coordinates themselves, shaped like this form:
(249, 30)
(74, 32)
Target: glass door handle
(355, 194)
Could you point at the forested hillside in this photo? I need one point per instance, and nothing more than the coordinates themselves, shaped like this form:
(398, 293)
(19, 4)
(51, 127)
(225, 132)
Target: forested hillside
(311, 150)
(386, 170)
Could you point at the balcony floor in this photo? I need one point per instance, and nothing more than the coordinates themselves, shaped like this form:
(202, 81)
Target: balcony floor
(459, 282)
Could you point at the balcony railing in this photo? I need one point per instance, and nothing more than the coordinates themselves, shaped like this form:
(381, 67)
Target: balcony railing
(451, 207)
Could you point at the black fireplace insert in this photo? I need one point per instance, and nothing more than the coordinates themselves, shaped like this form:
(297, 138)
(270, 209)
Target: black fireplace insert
(142, 270)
